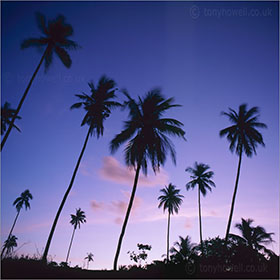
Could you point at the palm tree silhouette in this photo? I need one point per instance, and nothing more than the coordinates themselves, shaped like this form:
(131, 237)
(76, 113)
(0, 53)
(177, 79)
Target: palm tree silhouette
(253, 237)
(201, 177)
(89, 258)
(9, 244)
(98, 107)
(243, 137)
(22, 200)
(55, 39)
(150, 141)
(7, 114)
(182, 250)
(76, 220)
(170, 200)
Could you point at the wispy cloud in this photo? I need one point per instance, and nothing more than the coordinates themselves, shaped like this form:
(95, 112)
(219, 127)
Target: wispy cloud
(112, 170)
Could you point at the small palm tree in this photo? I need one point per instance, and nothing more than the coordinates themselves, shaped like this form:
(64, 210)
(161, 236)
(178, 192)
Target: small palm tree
(89, 258)
(22, 200)
(201, 177)
(98, 108)
(182, 250)
(10, 244)
(55, 40)
(244, 138)
(146, 133)
(7, 114)
(170, 200)
(76, 220)
(253, 237)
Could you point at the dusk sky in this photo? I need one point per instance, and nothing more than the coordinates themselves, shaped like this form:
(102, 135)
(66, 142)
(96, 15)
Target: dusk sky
(205, 56)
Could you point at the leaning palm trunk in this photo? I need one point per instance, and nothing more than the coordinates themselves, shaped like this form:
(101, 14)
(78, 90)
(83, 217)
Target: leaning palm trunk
(127, 216)
(200, 224)
(64, 199)
(2, 253)
(168, 228)
(234, 196)
(70, 245)
(22, 99)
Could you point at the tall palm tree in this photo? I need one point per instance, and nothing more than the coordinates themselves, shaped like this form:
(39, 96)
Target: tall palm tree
(98, 107)
(76, 220)
(9, 244)
(22, 200)
(182, 249)
(56, 40)
(89, 258)
(253, 237)
(170, 200)
(146, 133)
(201, 177)
(7, 114)
(244, 138)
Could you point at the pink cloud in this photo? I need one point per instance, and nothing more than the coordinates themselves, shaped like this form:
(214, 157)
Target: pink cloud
(188, 224)
(97, 205)
(114, 171)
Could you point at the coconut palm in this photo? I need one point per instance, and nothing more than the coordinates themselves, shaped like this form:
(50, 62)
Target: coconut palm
(56, 40)
(7, 114)
(170, 200)
(22, 200)
(244, 138)
(201, 177)
(89, 258)
(254, 237)
(98, 107)
(76, 221)
(9, 244)
(146, 133)
(182, 250)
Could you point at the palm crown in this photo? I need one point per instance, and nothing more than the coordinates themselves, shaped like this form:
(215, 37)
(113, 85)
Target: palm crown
(253, 236)
(148, 131)
(23, 199)
(98, 105)
(10, 243)
(182, 249)
(78, 219)
(55, 38)
(243, 135)
(7, 114)
(201, 177)
(171, 199)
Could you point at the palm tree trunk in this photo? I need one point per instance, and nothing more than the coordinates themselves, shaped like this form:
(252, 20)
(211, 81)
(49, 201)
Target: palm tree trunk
(200, 224)
(127, 215)
(10, 232)
(22, 99)
(70, 245)
(44, 258)
(168, 228)
(234, 195)
(87, 264)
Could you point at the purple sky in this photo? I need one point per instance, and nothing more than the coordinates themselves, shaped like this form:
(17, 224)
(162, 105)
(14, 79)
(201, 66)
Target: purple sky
(205, 55)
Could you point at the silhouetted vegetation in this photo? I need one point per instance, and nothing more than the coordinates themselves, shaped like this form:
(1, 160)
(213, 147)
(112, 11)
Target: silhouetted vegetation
(150, 143)
(7, 114)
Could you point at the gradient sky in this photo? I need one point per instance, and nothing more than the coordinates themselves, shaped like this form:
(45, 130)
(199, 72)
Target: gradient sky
(205, 55)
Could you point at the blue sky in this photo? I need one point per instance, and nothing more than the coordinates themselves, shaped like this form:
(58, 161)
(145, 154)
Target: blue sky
(206, 61)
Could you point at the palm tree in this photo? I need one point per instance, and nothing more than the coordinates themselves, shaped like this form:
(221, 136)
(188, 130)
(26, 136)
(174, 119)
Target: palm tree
(9, 244)
(170, 200)
(76, 220)
(89, 258)
(182, 250)
(7, 114)
(22, 200)
(243, 137)
(55, 40)
(201, 177)
(253, 237)
(147, 132)
(98, 107)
